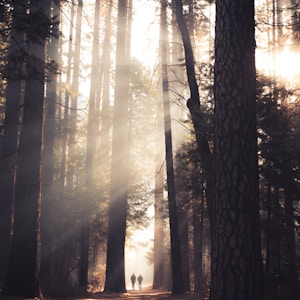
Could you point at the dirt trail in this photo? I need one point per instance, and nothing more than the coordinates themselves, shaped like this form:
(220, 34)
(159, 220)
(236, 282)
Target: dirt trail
(144, 294)
(147, 294)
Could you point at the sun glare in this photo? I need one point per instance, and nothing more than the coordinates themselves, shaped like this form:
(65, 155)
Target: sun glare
(285, 65)
(288, 63)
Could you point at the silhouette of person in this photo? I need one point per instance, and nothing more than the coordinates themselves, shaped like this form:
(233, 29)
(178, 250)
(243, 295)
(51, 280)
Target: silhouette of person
(140, 280)
(133, 280)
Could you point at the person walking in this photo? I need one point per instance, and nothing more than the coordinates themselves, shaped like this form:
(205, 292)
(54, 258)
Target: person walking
(133, 280)
(140, 280)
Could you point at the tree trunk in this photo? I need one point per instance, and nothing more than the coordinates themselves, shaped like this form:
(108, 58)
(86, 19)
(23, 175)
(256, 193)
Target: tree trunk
(106, 67)
(65, 122)
(159, 274)
(198, 214)
(74, 99)
(115, 265)
(236, 257)
(48, 235)
(184, 243)
(290, 283)
(14, 73)
(23, 275)
(194, 104)
(177, 279)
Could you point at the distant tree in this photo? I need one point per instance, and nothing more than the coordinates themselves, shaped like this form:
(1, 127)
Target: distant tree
(74, 92)
(14, 75)
(236, 254)
(23, 270)
(190, 184)
(106, 85)
(278, 146)
(66, 103)
(115, 264)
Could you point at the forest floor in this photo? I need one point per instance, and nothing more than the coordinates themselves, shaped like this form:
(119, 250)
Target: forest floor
(147, 294)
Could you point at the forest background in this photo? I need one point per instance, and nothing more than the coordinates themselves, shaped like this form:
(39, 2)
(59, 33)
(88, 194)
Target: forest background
(106, 156)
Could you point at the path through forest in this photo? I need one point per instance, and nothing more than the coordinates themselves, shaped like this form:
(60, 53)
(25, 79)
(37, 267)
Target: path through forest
(147, 294)
(143, 294)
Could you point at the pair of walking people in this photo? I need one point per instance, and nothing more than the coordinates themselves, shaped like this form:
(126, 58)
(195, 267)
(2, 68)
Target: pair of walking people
(139, 279)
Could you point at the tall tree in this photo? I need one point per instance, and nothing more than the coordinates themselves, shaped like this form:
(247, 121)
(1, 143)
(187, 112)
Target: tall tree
(23, 272)
(48, 233)
(90, 149)
(115, 265)
(236, 258)
(158, 244)
(177, 279)
(74, 97)
(14, 74)
(193, 103)
(65, 123)
(106, 69)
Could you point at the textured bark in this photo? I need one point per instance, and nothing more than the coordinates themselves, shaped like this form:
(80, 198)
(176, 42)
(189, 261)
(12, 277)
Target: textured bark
(115, 265)
(23, 272)
(236, 258)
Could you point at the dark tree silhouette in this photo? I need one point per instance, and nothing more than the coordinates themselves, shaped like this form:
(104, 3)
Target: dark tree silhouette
(236, 258)
(14, 74)
(177, 276)
(23, 271)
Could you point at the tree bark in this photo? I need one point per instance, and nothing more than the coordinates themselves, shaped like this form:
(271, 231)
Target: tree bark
(236, 257)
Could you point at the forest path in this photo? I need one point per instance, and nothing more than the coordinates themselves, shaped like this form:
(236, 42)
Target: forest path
(147, 294)
(144, 294)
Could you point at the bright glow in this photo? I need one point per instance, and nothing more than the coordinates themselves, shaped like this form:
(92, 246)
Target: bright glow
(145, 32)
(140, 243)
(286, 64)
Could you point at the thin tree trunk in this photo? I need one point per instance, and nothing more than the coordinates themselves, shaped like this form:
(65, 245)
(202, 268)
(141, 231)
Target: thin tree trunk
(290, 284)
(194, 104)
(23, 275)
(177, 279)
(159, 274)
(92, 117)
(106, 66)
(198, 214)
(74, 98)
(65, 126)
